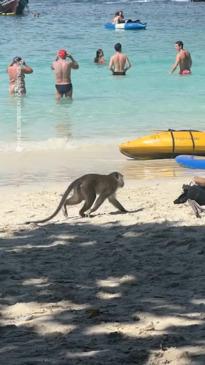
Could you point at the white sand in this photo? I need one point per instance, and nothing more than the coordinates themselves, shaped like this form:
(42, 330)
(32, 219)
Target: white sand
(112, 289)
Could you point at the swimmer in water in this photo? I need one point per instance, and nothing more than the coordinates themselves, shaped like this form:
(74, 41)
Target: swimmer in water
(62, 67)
(183, 60)
(99, 58)
(119, 62)
(16, 72)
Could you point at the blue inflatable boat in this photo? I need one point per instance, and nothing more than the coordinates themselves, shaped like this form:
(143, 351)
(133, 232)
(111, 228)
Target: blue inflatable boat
(126, 26)
(191, 162)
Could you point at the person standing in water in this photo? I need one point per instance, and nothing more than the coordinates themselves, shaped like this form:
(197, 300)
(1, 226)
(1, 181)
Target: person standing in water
(62, 69)
(119, 62)
(183, 59)
(16, 72)
(99, 58)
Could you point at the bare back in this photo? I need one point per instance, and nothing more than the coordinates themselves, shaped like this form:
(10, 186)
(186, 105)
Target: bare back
(118, 62)
(62, 69)
(16, 74)
(184, 60)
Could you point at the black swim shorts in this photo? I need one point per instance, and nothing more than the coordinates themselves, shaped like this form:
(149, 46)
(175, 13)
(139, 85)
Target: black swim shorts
(64, 89)
(115, 73)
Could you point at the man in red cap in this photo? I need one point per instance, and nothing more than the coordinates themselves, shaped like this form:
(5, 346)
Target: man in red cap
(62, 69)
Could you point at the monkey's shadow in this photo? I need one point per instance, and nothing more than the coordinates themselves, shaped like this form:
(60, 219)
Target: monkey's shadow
(100, 214)
(129, 211)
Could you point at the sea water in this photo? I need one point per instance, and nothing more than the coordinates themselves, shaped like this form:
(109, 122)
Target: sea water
(105, 109)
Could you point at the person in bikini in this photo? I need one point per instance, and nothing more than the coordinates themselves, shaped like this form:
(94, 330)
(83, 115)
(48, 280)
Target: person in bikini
(62, 69)
(183, 60)
(16, 72)
(119, 62)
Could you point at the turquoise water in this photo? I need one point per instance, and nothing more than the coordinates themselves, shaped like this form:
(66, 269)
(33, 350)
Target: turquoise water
(103, 107)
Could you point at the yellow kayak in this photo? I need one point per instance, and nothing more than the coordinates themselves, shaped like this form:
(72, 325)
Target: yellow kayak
(166, 144)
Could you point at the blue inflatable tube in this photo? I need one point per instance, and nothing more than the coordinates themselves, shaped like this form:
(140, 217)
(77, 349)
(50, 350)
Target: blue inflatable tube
(190, 162)
(126, 26)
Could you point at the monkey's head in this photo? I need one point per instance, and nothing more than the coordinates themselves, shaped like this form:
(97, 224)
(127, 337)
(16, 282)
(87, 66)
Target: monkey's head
(184, 196)
(119, 177)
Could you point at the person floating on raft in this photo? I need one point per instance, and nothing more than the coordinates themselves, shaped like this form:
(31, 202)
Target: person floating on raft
(119, 18)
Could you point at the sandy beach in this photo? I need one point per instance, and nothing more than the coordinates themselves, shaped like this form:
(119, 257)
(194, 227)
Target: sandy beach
(111, 289)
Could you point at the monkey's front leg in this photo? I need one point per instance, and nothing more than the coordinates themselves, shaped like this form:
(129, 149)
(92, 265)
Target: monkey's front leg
(112, 199)
(101, 198)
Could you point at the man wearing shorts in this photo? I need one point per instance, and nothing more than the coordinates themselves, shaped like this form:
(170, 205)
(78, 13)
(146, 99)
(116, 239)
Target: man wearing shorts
(183, 60)
(119, 62)
(62, 69)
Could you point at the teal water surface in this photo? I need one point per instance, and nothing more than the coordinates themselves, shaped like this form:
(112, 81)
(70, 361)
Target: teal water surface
(104, 108)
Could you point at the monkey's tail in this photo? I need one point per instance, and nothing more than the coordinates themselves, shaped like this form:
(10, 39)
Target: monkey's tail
(68, 190)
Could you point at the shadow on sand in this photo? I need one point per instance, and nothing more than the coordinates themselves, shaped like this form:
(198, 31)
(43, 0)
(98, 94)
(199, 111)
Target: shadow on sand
(103, 292)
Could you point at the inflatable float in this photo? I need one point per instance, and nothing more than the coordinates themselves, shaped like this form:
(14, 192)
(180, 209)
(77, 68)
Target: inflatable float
(126, 26)
(191, 162)
(165, 144)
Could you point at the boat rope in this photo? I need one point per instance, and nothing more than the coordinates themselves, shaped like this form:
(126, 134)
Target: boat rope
(173, 141)
(193, 142)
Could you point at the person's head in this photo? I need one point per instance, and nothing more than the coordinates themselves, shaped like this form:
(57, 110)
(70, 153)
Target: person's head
(117, 13)
(99, 53)
(62, 53)
(118, 47)
(179, 45)
(121, 14)
(16, 60)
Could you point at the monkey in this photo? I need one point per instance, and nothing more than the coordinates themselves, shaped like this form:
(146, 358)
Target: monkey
(86, 188)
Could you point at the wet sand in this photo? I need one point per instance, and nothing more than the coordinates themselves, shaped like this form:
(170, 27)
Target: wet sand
(60, 165)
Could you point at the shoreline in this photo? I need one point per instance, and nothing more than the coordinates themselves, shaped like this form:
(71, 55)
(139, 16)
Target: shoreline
(42, 167)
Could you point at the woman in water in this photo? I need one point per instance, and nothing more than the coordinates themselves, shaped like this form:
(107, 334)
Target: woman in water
(99, 58)
(16, 71)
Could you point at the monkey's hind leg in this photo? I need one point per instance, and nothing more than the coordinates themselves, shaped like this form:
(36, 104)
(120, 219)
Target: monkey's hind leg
(76, 198)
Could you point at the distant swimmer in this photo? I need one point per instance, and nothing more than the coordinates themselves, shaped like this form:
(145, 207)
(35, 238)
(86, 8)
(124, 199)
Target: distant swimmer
(16, 72)
(62, 69)
(119, 62)
(99, 58)
(183, 60)
(118, 18)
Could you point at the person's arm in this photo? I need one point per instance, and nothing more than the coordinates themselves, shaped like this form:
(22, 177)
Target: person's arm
(176, 64)
(26, 69)
(128, 64)
(74, 63)
(111, 65)
(190, 61)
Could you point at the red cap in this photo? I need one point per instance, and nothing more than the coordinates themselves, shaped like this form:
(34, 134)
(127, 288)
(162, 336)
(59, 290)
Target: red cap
(62, 53)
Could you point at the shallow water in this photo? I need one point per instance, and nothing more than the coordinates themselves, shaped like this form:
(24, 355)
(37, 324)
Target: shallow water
(104, 108)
